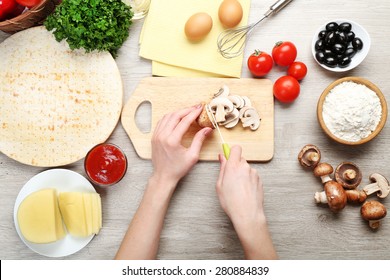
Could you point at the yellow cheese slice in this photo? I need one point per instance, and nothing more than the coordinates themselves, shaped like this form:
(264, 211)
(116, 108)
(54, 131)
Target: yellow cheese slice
(73, 212)
(87, 199)
(39, 217)
(81, 212)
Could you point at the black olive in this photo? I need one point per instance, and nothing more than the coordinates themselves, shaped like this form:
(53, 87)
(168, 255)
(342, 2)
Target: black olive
(331, 26)
(350, 52)
(345, 27)
(350, 36)
(320, 56)
(320, 45)
(338, 48)
(357, 44)
(322, 34)
(341, 38)
(330, 61)
(328, 52)
(344, 61)
(330, 38)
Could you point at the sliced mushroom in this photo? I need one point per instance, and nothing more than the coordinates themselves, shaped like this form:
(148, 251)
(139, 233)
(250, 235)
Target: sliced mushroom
(379, 185)
(348, 175)
(224, 91)
(231, 119)
(237, 101)
(247, 101)
(221, 106)
(249, 117)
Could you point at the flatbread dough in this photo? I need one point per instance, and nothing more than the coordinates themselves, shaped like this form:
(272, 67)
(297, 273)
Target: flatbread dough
(55, 104)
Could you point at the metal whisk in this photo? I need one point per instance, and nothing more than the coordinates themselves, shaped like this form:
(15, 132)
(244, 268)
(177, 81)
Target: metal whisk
(231, 42)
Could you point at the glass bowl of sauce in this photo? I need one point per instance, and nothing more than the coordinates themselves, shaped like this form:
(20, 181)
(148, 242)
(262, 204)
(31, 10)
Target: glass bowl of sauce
(105, 165)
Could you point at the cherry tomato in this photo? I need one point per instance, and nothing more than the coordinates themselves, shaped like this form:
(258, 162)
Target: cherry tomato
(284, 53)
(298, 70)
(286, 89)
(29, 3)
(9, 9)
(260, 63)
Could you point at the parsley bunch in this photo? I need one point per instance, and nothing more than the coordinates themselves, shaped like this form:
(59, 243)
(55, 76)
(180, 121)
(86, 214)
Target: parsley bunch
(101, 25)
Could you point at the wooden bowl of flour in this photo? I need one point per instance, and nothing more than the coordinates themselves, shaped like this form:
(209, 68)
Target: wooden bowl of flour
(352, 111)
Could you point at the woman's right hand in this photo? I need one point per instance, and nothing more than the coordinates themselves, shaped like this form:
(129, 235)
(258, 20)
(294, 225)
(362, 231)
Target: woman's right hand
(239, 188)
(240, 192)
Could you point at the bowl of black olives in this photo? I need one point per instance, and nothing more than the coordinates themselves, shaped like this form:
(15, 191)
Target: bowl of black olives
(340, 45)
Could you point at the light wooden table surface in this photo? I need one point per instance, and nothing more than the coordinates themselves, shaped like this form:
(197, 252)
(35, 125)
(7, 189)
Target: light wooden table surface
(195, 226)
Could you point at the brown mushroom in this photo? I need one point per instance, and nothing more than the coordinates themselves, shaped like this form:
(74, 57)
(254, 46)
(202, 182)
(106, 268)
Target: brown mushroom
(333, 194)
(379, 185)
(356, 196)
(348, 175)
(323, 170)
(373, 211)
(309, 156)
(204, 120)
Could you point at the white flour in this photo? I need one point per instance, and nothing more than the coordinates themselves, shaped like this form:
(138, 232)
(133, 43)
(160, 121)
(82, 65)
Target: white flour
(351, 111)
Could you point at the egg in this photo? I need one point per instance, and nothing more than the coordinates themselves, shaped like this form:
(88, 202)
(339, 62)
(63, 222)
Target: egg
(230, 13)
(198, 26)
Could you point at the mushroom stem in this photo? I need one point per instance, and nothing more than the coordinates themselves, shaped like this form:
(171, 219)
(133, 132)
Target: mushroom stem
(374, 224)
(320, 197)
(349, 174)
(325, 178)
(312, 156)
(371, 188)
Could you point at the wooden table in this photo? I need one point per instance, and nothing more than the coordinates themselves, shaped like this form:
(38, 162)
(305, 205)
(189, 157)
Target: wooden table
(195, 226)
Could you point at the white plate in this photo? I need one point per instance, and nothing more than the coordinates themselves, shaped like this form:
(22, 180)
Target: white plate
(62, 180)
(359, 56)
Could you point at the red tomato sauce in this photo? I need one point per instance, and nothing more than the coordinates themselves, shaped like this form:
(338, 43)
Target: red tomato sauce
(105, 164)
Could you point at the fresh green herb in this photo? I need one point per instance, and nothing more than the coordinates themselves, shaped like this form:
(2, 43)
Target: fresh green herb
(101, 25)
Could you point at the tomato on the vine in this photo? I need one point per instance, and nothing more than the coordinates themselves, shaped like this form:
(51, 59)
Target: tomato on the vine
(286, 89)
(29, 3)
(298, 70)
(260, 63)
(284, 53)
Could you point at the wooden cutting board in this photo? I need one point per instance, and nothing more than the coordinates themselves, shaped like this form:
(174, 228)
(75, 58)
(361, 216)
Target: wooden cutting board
(168, 94)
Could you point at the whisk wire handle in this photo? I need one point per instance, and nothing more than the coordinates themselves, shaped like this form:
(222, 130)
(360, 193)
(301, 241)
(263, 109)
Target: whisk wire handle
(231, 42)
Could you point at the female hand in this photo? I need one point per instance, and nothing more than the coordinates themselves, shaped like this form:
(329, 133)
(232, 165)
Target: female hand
(171, 160)
(240, 189)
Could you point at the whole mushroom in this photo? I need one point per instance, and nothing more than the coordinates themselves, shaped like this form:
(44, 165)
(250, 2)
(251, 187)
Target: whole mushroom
(356, 196)
(309, 156)
(373, 211)
(323, 170)
(333, 194)
(348, 175)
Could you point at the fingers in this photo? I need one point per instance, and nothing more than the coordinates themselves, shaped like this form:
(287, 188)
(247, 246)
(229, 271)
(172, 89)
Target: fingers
(223, 162)
(235, 154)
(185, 122)
(198, 140)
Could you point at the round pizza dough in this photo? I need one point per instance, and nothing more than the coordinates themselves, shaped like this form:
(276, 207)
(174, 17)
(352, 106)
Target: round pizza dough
(55, 104)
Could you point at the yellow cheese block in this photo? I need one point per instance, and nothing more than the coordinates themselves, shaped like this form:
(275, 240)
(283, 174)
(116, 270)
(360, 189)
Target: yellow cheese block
(81, 212)
(39, 217)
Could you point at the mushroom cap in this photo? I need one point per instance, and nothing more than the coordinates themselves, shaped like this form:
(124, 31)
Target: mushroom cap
(356, 196)
(323, 169)
(341, 175)
(373, 210)
(335, 194)
(303, 158)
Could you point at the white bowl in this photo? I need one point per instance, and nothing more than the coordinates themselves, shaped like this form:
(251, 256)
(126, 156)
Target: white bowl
(359, 56)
